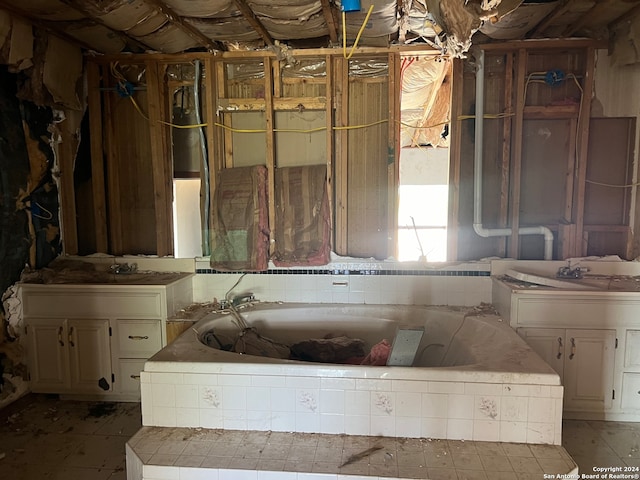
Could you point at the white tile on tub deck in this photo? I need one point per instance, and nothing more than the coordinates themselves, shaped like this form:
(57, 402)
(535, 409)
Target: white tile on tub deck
(434, 405)
(228, 474)
(515, 390)
(147, 403)
(283, 422)
(557, 391)
(487, 407)
(145, 377)
(383, 425)
(303, 382)
(164, 416)
(188, 417)
(232, 380)
(357, 297)
(198, 473)
(383, 403)
(483, 388)
(283, 399)
(459, 429)
(209, 396)
(267, 381)
(409, 386)
(357, 283)
(373, 384)
(542, 391)
(258, 420)
(408, 404)
(307, 400)
(332, 401)
(433, 428)
(259, 398)
(486, 430)
(408, 427)
(234, 419)
(167, 378)
(513, 432)
(163, 395)
(357, 402)
(541, 410)
(340, 297)
(161, 472)
(200, 379)
(265, 475)
(514, 409)
(540, 433)
(211, 418)
(446, 387)
(331, 423)
(187, 396)
(307, 422)
(460, 406)
(234, 398)
(338, 383)
(357, 424)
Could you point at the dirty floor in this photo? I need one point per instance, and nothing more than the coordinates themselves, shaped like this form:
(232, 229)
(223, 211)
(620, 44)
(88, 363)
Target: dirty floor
(42, 437)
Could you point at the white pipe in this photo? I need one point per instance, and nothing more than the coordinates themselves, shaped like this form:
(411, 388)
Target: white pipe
(477, 174)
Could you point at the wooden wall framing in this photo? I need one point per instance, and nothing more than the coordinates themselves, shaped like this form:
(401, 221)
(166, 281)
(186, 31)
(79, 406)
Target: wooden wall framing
(364, 225)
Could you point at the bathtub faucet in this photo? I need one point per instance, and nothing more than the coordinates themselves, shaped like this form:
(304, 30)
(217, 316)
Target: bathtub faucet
(243, 299)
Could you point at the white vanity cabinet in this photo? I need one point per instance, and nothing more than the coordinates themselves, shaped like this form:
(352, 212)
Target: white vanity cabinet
(584, 359)
(92, 340)
(590, 338)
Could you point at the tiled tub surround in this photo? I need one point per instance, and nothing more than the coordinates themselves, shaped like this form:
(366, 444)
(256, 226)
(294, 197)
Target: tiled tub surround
(494, 389)
(464, 285)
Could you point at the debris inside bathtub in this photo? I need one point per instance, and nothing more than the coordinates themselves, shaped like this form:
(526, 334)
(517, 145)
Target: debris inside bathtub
(337, 349)
(250, 342)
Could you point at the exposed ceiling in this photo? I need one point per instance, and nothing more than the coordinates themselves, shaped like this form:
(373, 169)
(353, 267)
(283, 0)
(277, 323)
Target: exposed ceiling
(171, 26)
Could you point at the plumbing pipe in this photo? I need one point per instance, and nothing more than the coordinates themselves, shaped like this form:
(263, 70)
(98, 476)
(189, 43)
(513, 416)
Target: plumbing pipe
(205, 159)
(477, 174)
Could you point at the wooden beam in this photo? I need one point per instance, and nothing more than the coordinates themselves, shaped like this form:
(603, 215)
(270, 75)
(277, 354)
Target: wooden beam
(516, 166)
(560, 10)
(327, 11)
(187, 28)
(213, 156)
(285, 104)
(341, 85)
(393, 154)
(94, 106)
(455, 159)
(256, 24)
(594, 12)
(582, 142)
(505, 169)
(330, 138)
(79, 6)
(68, 149)
(269, 65)
(157, 131)
(544, 44)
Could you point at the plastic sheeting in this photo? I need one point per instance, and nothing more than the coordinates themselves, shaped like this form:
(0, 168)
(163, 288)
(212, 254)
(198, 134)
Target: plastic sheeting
(240, 232)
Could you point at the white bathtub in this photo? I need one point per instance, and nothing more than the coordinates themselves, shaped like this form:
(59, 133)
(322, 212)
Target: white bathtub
(473, 378)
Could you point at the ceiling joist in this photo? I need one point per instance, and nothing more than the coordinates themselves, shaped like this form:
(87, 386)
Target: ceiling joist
(625, 17)
(594, 12)
(78, 5)
(557, 12)
(250, 17)
(327, 11)
(179, 22)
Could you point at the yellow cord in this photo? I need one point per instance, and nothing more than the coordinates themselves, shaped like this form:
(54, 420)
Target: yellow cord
(613, 186)
(344, 33)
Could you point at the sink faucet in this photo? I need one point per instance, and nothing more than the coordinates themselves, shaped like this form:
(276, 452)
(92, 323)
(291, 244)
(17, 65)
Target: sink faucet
(568, 272)
(123, 268)
(243, 299)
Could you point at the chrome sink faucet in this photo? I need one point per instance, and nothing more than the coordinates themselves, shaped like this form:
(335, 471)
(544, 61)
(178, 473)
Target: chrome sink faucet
(568, 272)
(243, 299)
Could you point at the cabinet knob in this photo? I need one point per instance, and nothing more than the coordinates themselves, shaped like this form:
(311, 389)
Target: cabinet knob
(138, 337)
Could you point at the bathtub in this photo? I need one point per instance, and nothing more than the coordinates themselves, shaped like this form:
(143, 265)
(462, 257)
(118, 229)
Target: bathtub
(473, 378)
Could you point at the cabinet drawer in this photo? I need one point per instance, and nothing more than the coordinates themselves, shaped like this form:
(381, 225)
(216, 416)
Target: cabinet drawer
(632, 349)
(138, 338)
(631, 391)
(128, 380)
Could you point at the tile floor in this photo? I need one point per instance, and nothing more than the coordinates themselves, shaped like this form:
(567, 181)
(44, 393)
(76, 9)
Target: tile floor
(43, 437)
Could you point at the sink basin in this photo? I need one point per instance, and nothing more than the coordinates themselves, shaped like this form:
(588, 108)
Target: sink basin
(619, 283)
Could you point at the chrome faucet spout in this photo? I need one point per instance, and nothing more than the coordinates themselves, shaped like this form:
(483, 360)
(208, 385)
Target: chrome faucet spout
(243, 299)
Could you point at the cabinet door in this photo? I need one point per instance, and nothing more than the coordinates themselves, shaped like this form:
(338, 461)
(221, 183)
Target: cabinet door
(48, 355)
(90, 355)
(588, 370)
(549, 343)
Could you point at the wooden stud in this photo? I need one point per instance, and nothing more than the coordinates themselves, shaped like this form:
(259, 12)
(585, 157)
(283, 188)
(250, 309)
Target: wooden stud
(570, 179)
(582, 142)
(455, 159)
(329, 135)
(279, 104)
(503, 215)
(158, 156)
(253, 20)
(212, 146)
(94, 102)
(393, 153)
(543, 44)
(113, 184)
(341, 168)
(68, 150)
(269, 65)
(516, 166)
